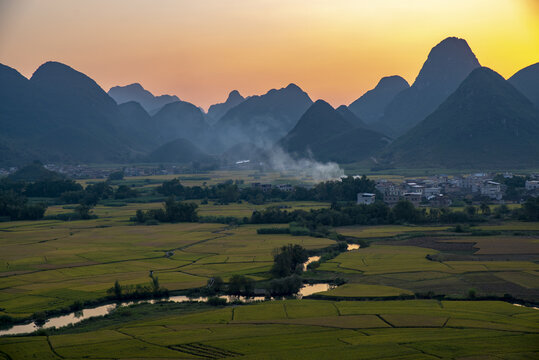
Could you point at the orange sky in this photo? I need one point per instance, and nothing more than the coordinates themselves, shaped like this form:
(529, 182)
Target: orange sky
(202, 49)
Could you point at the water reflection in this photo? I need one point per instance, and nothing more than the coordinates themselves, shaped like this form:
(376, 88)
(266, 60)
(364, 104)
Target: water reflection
(76, 317)
(60, 321)
(529, 307)
(311, 259)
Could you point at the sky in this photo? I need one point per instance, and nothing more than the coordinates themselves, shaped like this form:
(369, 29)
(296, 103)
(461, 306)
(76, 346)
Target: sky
(201, 50)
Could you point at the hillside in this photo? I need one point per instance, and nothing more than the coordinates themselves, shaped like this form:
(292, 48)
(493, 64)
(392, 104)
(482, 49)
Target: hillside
(263, 119)
(180, 119)
(34, 171)
(216, 111)
(371, 106)
(137, 125)
(485, 123)
(326, 135)
(178, 151)
(135, 92)
(59, 115)
(349, 116)
(527, 82)
(447, 65)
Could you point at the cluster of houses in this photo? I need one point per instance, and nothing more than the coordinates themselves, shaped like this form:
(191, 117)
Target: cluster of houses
(92, 172)
(440, 191)
(269, 187)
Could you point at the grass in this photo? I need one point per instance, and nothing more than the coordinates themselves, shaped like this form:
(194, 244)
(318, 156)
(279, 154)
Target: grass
(508, 226)
(490, 271)
(382, 259)
(295, 329)
(51, 264)
(363, 290)
(488, 245)
(385, 230)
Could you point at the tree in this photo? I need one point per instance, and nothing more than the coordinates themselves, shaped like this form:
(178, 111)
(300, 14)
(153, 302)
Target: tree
(530, 209)
(117, 290)
(288, 260)
(84, 211)
(485, 209)
(240, 285)
(404, 211)
(155, 284)
(285, 286)
(117, 175)
(470, 210)
(215, 284)
(180, 212)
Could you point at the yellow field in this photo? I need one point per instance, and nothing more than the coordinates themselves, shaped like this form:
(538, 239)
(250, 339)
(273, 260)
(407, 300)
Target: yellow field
(362, 290)
(51, 264)
(298, 329)
(385, 230)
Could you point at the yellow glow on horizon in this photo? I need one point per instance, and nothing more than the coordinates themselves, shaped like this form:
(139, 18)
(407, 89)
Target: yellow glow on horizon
(200, 50)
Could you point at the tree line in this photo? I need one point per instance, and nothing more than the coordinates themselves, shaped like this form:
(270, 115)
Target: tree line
(231, 191)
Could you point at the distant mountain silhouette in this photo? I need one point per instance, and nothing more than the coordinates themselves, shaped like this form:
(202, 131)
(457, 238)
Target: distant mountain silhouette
(349, 116)
(216, 112)
(371, 106)
(447, 65)
(135, 92)
(178, 151)
(17, 99)
(136, 124)
(60, 114)
(325, 134)
(181, 119)
(485, 123)
(34, 171)
(527, 82)
(263, 119)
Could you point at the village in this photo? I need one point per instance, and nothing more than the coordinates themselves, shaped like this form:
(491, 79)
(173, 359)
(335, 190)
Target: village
(444, 191)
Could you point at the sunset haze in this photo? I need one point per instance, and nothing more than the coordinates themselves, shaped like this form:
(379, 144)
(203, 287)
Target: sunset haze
(200, 50)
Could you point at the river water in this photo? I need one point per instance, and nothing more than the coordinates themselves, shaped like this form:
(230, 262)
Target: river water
(78, 316)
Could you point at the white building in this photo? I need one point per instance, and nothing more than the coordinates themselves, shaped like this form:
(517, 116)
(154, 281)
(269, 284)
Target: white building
(492, 189)
(431, 191)
(285, 187)
(532, 185)
(365, 198)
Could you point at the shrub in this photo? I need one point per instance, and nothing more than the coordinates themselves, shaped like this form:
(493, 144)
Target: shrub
(216, 301)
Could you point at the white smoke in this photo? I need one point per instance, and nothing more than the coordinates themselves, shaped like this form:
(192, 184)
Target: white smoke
(306, 167)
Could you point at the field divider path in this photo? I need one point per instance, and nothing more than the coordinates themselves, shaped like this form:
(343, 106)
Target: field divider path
(384, 320)
(206, 240)
(6, 355)
(144, 341)
(409, 346)
(52, 349)
(82, 265)
(337, 309)
(446, 321)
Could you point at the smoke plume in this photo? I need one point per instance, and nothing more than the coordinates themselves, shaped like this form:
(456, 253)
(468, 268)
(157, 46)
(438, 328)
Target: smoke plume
(305, 167)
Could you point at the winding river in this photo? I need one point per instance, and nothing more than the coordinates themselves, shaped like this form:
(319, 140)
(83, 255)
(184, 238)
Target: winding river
(78, 316)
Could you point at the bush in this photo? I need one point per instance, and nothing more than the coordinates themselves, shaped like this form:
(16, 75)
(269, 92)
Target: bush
(216, 301)
(288, 260)
(240, 285)
(174, 211)
(285, 286)
(263, 231)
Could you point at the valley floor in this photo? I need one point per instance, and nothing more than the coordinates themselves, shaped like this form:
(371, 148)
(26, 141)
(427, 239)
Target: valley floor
(49, 265)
